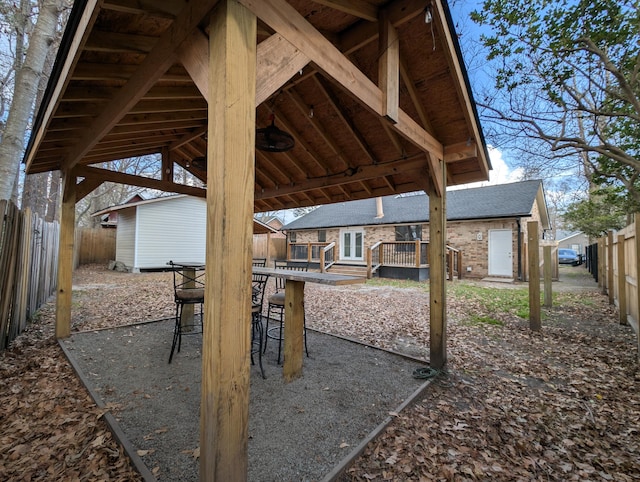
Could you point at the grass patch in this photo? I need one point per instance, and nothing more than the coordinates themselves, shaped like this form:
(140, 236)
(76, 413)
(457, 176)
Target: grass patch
(493, 300)
(398, 283)
(486, 320)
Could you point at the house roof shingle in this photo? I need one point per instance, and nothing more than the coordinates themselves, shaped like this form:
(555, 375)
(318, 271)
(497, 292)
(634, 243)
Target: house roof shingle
(498, 201)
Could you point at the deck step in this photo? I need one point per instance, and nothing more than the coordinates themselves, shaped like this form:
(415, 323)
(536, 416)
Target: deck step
(348, 270)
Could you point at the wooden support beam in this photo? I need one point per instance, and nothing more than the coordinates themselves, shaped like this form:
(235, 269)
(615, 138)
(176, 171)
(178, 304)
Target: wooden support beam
(533, 242)
(437, 274)
(389, 68)
(622, 282)
(224, 406)
(277, 62)
(154, 65)
(65, 255)
(293, 329)
(84, 187)
(132, 180)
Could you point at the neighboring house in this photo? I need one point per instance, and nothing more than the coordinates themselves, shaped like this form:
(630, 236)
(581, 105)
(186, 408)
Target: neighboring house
(575, 240)
(152, 232)
(487, 224)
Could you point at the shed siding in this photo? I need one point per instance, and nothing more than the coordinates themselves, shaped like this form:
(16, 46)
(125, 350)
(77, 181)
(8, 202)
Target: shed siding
(126, 237)
(171, 230)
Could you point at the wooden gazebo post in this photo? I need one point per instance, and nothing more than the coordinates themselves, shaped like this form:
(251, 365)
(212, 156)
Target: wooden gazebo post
(65, 255)
(437, 268)
(224, 408)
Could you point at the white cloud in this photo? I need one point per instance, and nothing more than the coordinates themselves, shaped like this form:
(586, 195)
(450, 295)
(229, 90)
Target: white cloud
(500, 174)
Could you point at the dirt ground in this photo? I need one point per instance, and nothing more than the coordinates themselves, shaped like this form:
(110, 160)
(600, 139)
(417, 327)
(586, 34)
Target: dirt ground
(562, 404)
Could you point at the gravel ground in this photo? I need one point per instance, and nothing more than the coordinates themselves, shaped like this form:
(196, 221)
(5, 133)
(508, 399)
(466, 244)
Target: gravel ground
(297, 431)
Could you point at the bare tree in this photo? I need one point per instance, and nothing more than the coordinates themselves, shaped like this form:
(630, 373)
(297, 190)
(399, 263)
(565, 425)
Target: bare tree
(567, 86)
(29, 69)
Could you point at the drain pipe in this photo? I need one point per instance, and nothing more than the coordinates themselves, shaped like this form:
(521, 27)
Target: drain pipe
(519, 249)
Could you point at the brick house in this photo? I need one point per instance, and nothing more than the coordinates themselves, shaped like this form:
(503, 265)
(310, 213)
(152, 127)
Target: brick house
(487, 224)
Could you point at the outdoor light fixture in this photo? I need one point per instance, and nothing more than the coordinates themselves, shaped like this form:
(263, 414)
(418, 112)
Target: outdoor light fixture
(199, 163)
(428, 17)
(272, 139)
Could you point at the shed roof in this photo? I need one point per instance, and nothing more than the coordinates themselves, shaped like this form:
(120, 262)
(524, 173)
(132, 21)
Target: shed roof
(130, 76)
(490, 202)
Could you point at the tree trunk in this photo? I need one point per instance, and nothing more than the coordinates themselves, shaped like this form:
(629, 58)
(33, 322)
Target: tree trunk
(25, 90)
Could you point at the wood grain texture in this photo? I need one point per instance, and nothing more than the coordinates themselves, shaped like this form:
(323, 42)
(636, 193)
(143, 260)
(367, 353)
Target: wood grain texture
(230, 177)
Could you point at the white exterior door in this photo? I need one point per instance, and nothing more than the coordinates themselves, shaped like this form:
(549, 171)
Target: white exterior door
(352, 245)
(500, 252)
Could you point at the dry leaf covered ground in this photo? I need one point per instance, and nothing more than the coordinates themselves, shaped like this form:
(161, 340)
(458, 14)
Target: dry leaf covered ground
(563, 404)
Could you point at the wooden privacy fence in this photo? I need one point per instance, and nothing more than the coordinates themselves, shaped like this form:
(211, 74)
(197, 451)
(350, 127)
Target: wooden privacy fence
(28, 267)
(94, 245)
(618, 271)
(269, 247)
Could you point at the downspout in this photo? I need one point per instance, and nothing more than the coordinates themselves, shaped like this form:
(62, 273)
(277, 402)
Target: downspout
(519, 249)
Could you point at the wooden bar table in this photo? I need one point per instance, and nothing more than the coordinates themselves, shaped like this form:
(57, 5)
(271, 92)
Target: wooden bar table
(294, 310)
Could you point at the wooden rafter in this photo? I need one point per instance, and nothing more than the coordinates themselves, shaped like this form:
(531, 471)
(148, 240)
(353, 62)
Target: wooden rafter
(358, 8)
(123, 178)
(156, 63)
(361, 174)
(283, 18)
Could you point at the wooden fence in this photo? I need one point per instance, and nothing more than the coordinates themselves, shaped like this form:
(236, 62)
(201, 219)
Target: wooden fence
(94, 245)
(269, 247)
(618, 268)
(28, 267)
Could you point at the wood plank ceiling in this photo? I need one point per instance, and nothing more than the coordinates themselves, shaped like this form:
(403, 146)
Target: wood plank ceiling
(129, 78)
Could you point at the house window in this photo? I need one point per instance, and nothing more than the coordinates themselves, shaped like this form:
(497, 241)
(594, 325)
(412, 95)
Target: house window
(412, 232)
(322, 235)
(292, 237)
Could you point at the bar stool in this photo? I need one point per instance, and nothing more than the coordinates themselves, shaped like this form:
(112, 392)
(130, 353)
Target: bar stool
(275, 308)
(259, 281)
(188, 289)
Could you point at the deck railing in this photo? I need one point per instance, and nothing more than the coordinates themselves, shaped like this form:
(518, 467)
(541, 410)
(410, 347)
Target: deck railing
(414, 254)
(327, 257)
(309, 252)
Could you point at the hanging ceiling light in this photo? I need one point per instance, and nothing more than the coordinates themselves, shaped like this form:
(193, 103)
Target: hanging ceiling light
(272, 139)
(199, 163)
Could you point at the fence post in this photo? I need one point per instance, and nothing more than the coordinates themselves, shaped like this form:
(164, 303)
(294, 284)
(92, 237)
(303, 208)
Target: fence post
(369, 263)
(602, 264)
(622, 282)
(610, 267)
(322, 270)
(547, 270)
(636, 242)
(534, 275)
